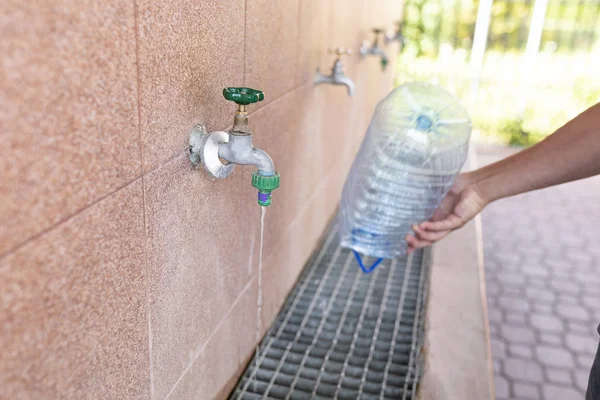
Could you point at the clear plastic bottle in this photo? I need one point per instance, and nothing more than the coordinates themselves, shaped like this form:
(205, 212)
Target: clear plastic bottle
(416, 145)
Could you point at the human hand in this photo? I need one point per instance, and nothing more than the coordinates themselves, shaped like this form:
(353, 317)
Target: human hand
(463, 202)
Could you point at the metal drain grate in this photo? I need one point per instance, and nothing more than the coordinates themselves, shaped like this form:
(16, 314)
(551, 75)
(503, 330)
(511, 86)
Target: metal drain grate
(343, 334)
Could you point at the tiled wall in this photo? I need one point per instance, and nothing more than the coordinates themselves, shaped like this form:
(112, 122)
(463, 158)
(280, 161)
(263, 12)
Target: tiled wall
(124, 272)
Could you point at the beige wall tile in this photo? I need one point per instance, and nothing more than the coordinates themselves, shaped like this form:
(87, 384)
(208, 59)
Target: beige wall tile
(348, 25)
(73, 321)
(203, 239)
(313, 33)
(68, 110)
(271, 47)
(188, 52)
(384, 13)
(224, 353)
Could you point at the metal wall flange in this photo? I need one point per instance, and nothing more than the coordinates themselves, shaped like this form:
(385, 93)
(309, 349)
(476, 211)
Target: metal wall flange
(204, 150)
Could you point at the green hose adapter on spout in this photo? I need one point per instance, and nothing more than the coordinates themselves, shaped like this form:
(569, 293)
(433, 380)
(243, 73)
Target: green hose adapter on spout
(265, 185)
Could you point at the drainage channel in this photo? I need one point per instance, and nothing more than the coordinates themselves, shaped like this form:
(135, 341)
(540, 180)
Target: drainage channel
(344, 334)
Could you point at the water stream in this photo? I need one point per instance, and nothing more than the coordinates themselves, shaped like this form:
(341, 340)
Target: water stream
(259, 299)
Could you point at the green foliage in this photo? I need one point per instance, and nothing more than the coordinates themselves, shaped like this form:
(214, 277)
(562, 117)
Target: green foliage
(430, 24)
(514, 134)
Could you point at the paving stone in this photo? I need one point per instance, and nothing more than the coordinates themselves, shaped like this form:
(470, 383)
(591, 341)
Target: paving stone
(555, 392)
(550, 338)
(501, 388)
(498, 348)
(495, 315)
(554, 357)
(492, 303)
(497, 367)
(522, 370)
(546, 323)
(508, 257)
(540, 294)
(572, 243)
(591, 289)
(491, 290)
(585, 361)
(581, 379)
(513, 303)
(578, 255)
(559, 376)
(580, 343)
(510, 278)
(535, 271)
(578, 327)
(526, 391)
(515, 334)
(557, 264)
(520, 351)
(512, 291)
(516, 319)
(565, 286)
(540, 285)
(562, 274)
(568, 300)
(493, 330)
(592, 302)
(536, 251)
(586, 278)
(542, 308)
(547, 292)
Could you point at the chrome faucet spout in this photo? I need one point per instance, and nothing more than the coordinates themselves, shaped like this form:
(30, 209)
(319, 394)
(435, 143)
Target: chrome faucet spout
(396, 35)
(345, 81)
(321, 78)
(240, 150)
(337, 76)
(375, 49)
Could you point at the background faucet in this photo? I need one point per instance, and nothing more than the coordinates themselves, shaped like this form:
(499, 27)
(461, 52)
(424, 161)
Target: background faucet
(395, 36)
(375, 49)
(235, 147)
(337, 76)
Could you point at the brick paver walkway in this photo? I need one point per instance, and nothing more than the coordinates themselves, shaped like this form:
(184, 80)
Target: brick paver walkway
(542, 262)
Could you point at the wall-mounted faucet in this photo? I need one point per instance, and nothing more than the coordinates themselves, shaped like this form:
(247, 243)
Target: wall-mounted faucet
(337, 76)
(235, 147)
(375, 49)
(395, 36)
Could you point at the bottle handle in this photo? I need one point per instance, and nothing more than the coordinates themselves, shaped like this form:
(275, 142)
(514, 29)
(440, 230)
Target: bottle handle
(362, 266)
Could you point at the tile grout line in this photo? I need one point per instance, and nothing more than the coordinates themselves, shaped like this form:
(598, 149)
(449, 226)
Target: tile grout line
(124, 185)
(297, 47)
(245, 29)
(65, 219)
(221, 322)
(145, 248)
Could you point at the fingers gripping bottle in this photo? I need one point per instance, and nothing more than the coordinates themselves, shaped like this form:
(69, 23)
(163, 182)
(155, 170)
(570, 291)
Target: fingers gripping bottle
(415, 146)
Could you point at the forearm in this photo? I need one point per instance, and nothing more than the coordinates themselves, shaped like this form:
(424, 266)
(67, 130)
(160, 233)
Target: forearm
(571, 153)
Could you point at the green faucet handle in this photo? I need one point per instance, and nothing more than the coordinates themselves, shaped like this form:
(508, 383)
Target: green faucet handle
(242, 95)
